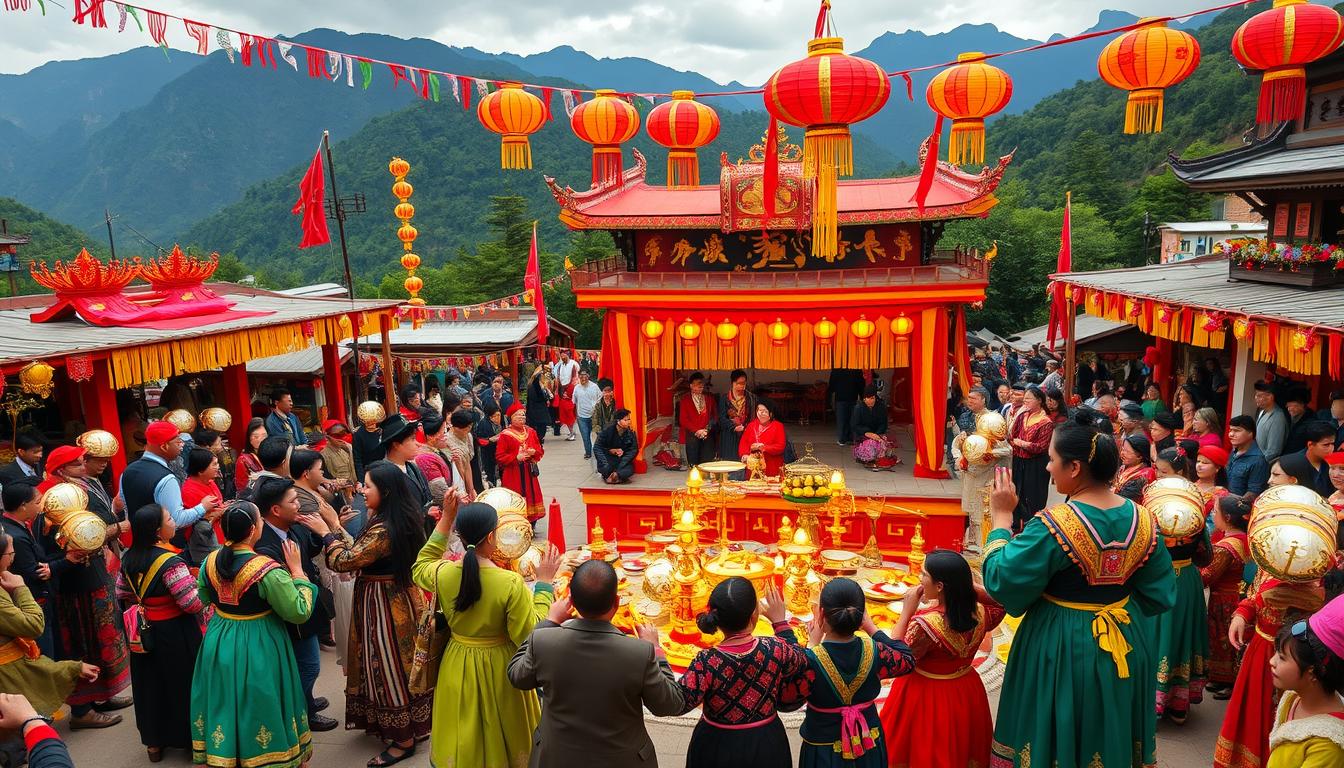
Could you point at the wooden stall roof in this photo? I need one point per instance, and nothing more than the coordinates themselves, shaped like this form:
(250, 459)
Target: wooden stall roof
(1203, 283)
(1087, 329)
(499, 330)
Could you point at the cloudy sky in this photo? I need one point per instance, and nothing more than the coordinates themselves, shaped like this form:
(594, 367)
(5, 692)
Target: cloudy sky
(741, 40)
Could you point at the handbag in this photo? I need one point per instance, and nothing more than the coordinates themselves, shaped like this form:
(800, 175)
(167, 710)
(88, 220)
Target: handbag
(138, 635)
(431, 637)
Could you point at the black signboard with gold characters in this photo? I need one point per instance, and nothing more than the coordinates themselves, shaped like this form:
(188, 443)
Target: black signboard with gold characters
(863, 246)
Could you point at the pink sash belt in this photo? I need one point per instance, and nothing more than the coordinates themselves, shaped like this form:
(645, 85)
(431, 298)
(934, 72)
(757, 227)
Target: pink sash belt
(742, 727)
(855, 737)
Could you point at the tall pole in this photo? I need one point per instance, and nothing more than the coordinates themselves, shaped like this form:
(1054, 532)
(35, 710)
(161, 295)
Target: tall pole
(107, 215)
(345, 258)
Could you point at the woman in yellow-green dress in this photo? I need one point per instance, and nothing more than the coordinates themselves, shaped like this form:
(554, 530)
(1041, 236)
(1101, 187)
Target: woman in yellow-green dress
(480, 719)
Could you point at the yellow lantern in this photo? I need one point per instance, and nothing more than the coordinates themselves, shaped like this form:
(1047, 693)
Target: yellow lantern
(398, 167)
(778, 332)
(824, 330)
(727, 332)
(689, 332)
(902, 325)
(863, 329)
(1241, 328)
(651, 329)
(36, 378)
(410, 261)
(404, 211)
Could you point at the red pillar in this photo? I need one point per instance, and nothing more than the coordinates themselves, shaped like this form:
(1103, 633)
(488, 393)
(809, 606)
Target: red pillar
(238, 402)
(103, 412)
(1162, 369)
(333, 386)
(513, 372)
(930, 358)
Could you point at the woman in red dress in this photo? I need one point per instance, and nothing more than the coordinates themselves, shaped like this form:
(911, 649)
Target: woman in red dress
(516, 456)
(1243, 740)
(764, 436)
(1223, 577)
(249, 466)
(954, 728)
(203, 535)
(1136, 469)
(1206, 429)
(1029, 436)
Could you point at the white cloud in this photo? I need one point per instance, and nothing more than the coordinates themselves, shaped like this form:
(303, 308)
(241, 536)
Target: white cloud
(741, 40)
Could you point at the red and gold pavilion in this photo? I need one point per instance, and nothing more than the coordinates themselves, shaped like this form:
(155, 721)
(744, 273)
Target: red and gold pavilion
(704, 282)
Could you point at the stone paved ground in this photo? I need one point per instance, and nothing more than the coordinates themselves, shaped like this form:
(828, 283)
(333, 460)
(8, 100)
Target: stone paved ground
(563, 470)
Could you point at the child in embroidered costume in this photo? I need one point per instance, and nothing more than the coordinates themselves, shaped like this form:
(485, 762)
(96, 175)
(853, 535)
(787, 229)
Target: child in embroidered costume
(954, 727)
(842, 681)
(1088, 575)
(1223, 577)
(740, 683)
(1308, 666)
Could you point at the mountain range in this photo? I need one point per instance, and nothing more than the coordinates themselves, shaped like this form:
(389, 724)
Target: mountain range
(166, 144)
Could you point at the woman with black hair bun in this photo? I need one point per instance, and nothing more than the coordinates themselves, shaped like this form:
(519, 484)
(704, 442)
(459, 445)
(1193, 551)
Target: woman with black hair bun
(955, 728)
(479, 718)
(1029, 435)
(1223, 577)
(155, 577)
(247, 701)
(1076, 573)
(843, 679)
(1136, 466)
(740, 682)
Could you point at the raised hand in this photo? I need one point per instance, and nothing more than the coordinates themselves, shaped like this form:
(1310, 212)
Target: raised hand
(293, 559)
(550, 563)
(1003, 498)
(774, 605)
(912, 600)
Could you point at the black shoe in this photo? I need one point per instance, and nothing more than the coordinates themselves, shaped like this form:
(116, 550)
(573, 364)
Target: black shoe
(320, 703)
(326, 641)
(318, 722)
(587, 456)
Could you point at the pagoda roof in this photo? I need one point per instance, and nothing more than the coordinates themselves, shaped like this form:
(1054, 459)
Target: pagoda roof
(636, 204)
(1264, 162)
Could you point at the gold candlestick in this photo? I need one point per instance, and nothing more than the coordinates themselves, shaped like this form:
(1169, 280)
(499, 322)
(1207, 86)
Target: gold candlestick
(872, 554)
(596, 543)
(688, 573)
(798, 567)
(916, 558)
(785, 531)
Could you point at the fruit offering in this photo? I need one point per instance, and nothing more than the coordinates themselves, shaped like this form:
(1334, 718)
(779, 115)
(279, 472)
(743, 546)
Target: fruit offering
(805, 489)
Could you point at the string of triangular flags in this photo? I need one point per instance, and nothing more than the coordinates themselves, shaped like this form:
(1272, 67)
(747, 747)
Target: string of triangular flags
(465, 311)
(421, 364)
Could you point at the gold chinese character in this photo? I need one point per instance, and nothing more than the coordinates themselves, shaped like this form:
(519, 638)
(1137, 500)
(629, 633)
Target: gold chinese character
(903, 243)
(681, 251)
(712, 253)
(871, 246)
(653, 250)
(769, 248)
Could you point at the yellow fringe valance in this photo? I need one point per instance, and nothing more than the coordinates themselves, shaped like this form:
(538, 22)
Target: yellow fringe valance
(1305, 362)
(1118, 311)
(131, 366)
(753, 348)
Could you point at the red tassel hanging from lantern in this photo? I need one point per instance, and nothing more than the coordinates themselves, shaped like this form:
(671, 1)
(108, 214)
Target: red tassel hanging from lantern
(606, 121)
(683, 125)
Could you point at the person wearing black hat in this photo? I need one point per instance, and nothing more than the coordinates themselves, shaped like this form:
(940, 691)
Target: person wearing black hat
(1296, 403)
(1131, 420)
(1271, 423)
(1136, 466)
(398, 440)
(1162, 430)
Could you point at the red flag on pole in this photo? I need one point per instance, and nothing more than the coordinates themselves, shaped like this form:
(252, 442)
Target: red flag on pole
(532, 282)
(1062, 264)
(310, 204)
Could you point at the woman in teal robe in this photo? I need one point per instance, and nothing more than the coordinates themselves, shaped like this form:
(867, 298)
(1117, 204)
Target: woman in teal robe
(1089, 575)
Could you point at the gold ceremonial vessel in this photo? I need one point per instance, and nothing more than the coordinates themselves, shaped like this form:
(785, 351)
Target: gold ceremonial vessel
(83, 531)
(370, 413)
(974, 448)
(1292, 533)
(807, 481)
(182, 419)
(659, 586)
(98, 443)
(749, 565)
(840, 562)
(1177, 505)
(216, 420)
(513, 532)
(62, 500)
(991, 425)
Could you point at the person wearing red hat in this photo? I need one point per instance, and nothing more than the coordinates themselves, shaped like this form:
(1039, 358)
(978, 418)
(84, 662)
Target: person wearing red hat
(517, 454)
(59, 458)
(1211, 479)
(1309, 668)
(1335, 463)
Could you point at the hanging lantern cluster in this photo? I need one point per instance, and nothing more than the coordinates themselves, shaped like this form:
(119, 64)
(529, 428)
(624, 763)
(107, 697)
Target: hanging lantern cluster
(515, 114)
(1280, 42)
(683, 125)
(407, 232)
(606, 121)
(967, 93)
(1144, 61)
(825, 93)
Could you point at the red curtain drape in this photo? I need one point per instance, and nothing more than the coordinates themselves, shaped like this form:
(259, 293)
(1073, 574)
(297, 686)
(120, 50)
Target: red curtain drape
(620, 362)
(929, 366)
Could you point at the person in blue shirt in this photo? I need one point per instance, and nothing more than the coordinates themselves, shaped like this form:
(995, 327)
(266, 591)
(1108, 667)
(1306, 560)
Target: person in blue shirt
(1247, 469)
(149, 480)
(282, 422)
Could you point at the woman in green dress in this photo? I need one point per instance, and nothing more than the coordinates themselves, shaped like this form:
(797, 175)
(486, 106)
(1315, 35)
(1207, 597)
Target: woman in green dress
(1089, 575)
(480, 719)
(247, 702)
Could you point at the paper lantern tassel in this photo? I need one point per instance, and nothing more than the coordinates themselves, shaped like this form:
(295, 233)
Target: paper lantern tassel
(966, 144)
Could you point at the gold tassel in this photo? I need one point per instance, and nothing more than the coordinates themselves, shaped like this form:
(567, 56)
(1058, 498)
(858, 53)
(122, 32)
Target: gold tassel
(1143, 111)
(827, 154)
(824, 215)
(683, 169)
(515, 153)
(966, 145)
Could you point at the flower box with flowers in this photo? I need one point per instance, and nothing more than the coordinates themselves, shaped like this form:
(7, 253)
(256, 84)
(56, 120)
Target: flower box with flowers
(1309, 265)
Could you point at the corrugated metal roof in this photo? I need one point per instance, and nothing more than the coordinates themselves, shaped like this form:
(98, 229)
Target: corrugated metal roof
(462, 333)
(305, 361)
(21, 339)
(1216, 227)
(320, 289)
(1288, 161)
(1203, 282)
(1085, 327)
(8, 239)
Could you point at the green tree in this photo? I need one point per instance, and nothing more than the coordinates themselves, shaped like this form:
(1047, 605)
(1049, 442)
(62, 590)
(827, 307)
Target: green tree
(1089, 173)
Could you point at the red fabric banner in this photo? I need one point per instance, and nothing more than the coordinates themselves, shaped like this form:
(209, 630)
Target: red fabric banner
(929, 363)
(532, 282)
(930, 165)
(312, 191)
(1063, 263)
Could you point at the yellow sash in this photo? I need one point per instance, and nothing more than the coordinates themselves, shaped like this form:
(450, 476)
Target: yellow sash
(18, 648)
(1106, 628)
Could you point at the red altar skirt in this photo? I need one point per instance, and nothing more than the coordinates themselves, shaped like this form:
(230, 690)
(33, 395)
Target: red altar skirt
(1243, 741)
(937, 722)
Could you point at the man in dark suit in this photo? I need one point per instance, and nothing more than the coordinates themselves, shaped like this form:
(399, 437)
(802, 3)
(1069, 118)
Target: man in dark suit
(278, 501)
(597, 680)
(27, 461)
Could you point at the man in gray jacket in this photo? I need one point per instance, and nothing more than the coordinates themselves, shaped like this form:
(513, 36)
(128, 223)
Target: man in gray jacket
(597, 680)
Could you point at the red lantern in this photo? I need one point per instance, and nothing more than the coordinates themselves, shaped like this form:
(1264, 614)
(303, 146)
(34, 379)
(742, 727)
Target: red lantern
(1143, 61)
(967, 93)
(514, 114)
(606, 121)
(824, 330)
(825, 93)
(689, 332)
(778, 332)
(683, 125)
(1281, 42)
(863, 329)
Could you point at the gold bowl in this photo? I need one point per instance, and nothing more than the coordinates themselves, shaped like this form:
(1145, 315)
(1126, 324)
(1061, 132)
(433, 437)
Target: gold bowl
(840, 562)
(182, 419)
(370, 412)
(749, 565)
(216, 420)
(1177, 506)
(83, 531)
(98, 443)
(975, 448)
(991, 425)
(62, 500)
(1292, 533)
(513, 532)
